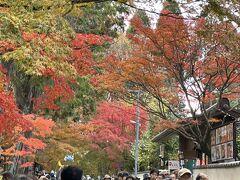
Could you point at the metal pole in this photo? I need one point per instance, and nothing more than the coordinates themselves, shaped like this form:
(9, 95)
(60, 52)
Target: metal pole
(137, 133)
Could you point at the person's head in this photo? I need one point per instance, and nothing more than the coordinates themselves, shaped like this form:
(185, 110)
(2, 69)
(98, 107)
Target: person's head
(145, 176)
(184, 174)
(130, 178)
(154, 174)
(107, 177)
(71, 173)
(125, 175)
(32, 177)
(164, 173)
(48, 176)
(43, 178)
(160, 177)
(201, 176)
(7, 176)
(172, 177)
(120, 176)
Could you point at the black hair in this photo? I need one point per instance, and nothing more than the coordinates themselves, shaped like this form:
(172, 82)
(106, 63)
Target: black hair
(154, 171)
(123, 174)
(130, 177)
(146, 178)
(71, 173)
(199, 177)
(120, 174)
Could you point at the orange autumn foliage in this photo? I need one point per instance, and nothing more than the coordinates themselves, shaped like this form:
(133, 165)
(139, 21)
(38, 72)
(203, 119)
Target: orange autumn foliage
(82, 61)
(174, 63)
(14, 126)
(82, 57)
(181, 67)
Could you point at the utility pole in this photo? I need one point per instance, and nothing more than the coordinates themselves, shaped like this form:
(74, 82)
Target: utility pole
(137, 132)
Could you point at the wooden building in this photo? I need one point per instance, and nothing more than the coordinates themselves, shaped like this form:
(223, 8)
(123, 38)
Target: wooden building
(190, 150)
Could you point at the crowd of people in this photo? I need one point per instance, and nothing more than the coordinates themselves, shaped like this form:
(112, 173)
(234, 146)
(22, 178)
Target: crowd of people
(182, 174)
(75, 173)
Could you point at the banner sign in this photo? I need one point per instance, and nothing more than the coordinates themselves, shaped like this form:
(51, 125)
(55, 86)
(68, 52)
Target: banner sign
(172, 165)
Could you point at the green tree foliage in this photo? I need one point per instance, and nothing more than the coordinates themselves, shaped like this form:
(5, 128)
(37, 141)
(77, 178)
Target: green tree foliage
(106, 18)
(82, 106)
(223, 10)
(34, 37)
(67, 138)
(171, 148)
(148, 152)
(238, 141)
(172, 6)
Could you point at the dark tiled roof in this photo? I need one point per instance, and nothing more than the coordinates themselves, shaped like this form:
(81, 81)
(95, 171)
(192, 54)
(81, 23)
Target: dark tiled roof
(219, 165)
(164, 135)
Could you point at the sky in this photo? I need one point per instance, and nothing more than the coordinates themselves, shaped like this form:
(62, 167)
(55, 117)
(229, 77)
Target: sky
(156, 7)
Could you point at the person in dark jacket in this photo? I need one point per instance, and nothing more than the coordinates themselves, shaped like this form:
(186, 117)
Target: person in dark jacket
(71, 173)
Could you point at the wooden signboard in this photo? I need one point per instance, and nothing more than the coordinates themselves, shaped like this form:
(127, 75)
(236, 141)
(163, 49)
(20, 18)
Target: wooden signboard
(223, 143)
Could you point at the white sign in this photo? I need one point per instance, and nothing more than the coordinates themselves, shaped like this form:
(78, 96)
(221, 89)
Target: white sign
(172, 165)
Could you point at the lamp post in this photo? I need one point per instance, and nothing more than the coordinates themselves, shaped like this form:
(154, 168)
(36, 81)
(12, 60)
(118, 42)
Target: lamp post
(137, 122)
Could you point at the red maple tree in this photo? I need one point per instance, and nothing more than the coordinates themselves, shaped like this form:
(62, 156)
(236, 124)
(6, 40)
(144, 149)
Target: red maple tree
(82, 61)
(113, 128)
(14, 125)
(179, 63)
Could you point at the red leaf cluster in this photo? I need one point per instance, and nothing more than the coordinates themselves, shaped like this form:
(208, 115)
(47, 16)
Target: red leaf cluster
(60, 90)
(176, 63)
(82, 57)
(10, 117)
(83, 62)
(27, 36)
(27, 164)
(113, 128)
(6, 46)
(14, 125)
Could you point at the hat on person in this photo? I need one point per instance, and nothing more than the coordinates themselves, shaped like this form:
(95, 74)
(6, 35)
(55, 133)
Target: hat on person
(164, 172)
(107, 177)
(184, 171)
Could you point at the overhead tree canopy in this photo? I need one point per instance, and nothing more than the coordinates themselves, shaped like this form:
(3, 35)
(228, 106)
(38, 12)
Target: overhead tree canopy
(178, 63)
(50, 67)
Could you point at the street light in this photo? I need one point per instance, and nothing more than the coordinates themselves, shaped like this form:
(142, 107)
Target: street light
(137, 130)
